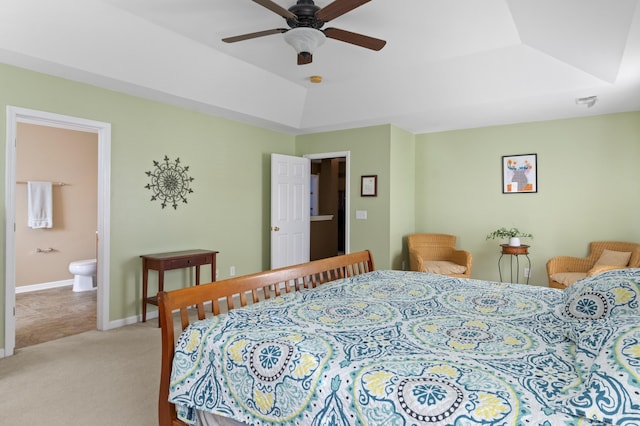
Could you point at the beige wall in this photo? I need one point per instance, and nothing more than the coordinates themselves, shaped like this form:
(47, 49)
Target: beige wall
(56, 155)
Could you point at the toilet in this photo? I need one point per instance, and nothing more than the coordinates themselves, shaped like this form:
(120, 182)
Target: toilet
(84, 272)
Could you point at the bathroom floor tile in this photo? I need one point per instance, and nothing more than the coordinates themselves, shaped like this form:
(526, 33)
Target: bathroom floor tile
(51, 314)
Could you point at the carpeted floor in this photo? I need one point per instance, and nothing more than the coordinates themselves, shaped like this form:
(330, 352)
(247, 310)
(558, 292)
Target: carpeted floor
(94, 378)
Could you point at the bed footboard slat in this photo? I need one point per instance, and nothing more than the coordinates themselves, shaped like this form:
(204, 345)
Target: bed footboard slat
(184, 318)
(314, 281)
(200, 308)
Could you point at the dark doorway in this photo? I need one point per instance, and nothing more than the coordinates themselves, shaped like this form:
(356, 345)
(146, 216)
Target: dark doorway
(328, 207)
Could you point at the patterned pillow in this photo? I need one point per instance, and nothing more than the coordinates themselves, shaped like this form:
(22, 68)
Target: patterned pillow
(611, 390)
(611, 293)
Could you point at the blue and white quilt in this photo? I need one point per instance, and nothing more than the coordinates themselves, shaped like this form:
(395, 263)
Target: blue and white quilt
(398, 348)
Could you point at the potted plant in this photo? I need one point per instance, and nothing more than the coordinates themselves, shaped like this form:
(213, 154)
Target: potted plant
(513, 234)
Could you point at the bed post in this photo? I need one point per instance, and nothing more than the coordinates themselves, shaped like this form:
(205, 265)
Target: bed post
(166, 411)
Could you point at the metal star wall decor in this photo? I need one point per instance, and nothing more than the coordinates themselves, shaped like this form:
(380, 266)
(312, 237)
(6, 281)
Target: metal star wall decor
(169, 182)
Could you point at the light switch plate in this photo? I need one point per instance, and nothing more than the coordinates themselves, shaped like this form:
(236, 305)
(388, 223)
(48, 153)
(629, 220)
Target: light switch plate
(361, 214)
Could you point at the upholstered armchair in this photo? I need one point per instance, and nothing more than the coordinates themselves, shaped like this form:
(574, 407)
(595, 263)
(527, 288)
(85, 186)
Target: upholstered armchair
(603, 256)
(437, 253)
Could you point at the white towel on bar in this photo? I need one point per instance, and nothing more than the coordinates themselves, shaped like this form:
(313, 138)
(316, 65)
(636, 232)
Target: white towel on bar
(39, 205)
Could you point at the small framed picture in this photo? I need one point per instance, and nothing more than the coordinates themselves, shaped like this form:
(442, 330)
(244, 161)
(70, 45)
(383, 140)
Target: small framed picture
(519, 173)
(369, 186)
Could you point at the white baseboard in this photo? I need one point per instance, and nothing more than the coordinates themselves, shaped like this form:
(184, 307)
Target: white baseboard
(131, 320)
(43, 286)
(151, 316)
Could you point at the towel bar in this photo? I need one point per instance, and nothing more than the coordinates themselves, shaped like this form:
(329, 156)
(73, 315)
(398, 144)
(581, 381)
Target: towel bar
(52, 183)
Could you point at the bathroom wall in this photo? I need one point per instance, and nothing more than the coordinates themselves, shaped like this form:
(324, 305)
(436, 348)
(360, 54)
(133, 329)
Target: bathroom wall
(57, 155)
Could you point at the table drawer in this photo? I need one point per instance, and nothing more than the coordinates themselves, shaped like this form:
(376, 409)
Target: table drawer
(187, 262)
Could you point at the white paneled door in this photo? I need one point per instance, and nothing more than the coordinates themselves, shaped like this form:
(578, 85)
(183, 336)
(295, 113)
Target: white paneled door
(289, 210)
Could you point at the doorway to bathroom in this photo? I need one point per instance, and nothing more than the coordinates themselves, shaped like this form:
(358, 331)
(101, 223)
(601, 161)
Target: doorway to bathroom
(63, 165)
(80, 200)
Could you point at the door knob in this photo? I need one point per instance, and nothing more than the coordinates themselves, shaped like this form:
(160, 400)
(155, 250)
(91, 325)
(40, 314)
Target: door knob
(276, 229)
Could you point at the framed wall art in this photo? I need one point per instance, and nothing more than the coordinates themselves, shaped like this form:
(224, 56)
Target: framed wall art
(519, 173)
(369, 186)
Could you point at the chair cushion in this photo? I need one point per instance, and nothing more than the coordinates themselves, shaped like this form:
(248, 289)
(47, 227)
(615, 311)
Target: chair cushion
(568, 278)
(443, 267)
(614, 258)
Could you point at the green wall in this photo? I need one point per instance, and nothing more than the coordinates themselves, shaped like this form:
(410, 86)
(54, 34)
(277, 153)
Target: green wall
(442, 182)
(230, 162)
(402, 202)
(370, 152)
(388, 152)
(588, 178)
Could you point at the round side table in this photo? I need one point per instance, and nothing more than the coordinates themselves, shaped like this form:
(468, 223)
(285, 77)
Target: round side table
(514, 251)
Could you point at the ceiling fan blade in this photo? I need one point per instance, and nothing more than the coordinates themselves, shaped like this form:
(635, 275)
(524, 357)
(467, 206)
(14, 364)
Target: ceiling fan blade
(304, 58)
(355, 38)
(338, 8)
(254, 35)
(277, 9)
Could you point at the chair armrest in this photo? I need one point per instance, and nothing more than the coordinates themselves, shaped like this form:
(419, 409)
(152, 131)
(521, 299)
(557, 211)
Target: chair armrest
(568, 264)
(415, 261)
(462, 257)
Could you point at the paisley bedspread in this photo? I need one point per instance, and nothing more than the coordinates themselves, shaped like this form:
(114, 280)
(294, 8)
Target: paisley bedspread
(384, 348)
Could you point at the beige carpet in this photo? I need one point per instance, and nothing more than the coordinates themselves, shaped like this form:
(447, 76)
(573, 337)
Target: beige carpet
(93, 378)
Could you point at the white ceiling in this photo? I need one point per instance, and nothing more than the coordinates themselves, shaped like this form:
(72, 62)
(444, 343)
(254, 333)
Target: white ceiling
(448, 64)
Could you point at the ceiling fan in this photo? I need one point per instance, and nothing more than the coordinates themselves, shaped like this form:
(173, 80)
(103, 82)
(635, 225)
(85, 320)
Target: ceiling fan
(305, 21)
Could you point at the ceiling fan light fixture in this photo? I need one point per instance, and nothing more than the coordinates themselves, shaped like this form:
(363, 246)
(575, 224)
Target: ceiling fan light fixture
(304, 40)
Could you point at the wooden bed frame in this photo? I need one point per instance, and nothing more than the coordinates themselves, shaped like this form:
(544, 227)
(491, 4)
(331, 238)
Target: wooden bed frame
(226, 294)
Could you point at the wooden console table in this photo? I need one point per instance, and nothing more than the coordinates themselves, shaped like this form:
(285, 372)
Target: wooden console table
(521, 250)
(173, 260)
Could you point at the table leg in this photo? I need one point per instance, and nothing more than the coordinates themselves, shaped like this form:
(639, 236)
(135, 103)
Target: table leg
(160, 288)
(511, 267)
(500, 267)
(198, 275)
(145, 282)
